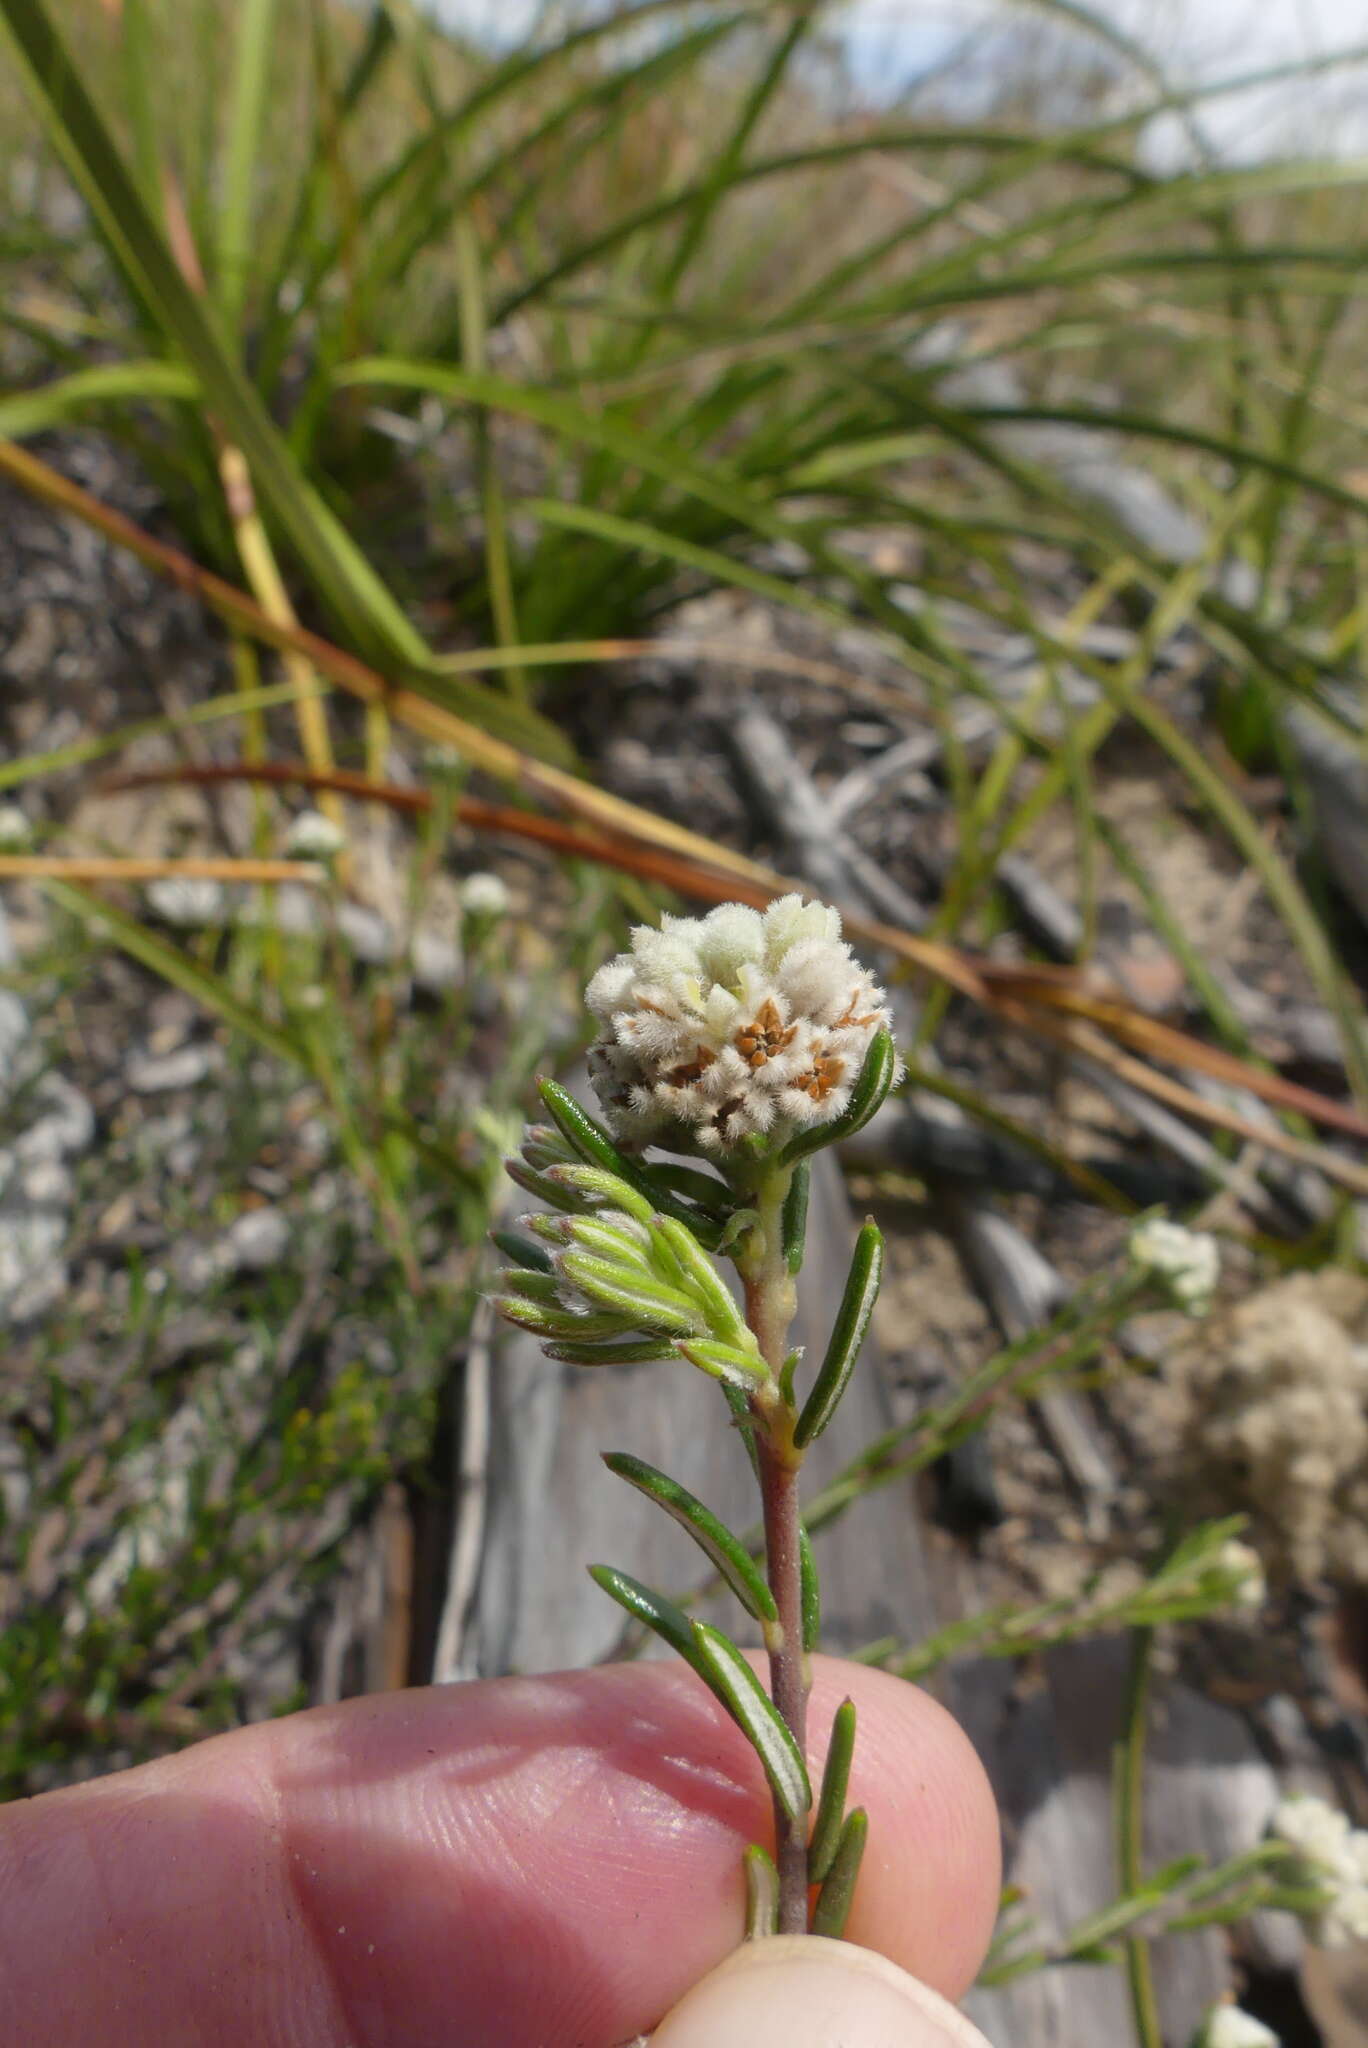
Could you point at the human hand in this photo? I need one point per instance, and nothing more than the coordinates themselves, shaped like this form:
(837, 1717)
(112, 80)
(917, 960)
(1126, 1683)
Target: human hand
(526, 1863)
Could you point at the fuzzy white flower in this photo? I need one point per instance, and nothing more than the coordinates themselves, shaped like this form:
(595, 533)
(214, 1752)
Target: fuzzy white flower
(1241, 1563)
(1318, 1832)
(731, 1025)
(189, 902)
(1344, 1920)
(1230, 2026)
(1332, 1855)
(15, 830)
(1189, 1260)
(484, 895)
(312, 836)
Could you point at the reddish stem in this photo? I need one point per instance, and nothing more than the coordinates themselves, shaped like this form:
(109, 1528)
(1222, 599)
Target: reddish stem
(788, 1679)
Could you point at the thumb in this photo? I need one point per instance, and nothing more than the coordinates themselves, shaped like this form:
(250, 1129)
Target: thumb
(800, 1991)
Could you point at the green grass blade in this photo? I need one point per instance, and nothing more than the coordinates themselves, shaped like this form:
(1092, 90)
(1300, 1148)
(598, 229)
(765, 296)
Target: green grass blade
(80, 752)
(339, 571)
(69, 398)
(242, 153)
(210, 991)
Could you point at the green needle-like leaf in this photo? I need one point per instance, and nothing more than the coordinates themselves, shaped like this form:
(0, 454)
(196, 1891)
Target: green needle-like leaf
(724, 1551)
(660, 1615)
(721, 1362)
(596, 1148)
(762, 1893)
(521, 1250)
(703, 1280)
(826, 1829)
(795, 1216)
(643, 1302)
(750, 1706)
(852, 1320)
(811, 1590)
(704, 1189)
(550, 1228)
(832, 1910)
(868, 1095)
(607, 1241)
(533, 1183)
(641, 1351)
(735, 1394)
(527, 1284)
(605, 1190)
(561, 1323)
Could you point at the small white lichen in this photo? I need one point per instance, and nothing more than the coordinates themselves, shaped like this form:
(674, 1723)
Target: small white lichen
(1230, 2026)
(736, 1024)
(312, 836)
(1188, 1260)
(1264, 1411)
(484, 895)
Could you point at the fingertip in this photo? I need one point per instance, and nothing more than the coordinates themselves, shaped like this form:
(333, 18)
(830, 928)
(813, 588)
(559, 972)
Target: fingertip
(931, 1877)
(802, 1992)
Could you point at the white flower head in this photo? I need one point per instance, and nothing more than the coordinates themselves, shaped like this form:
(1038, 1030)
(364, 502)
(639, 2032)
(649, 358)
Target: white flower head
(15, 830)
(312, 836)
(1189, 1260)
(1230, 2026)
(737, 1024)
(1317, 1831)
(1344, 1920)
(1332, 1855)
(189, 902)
(1241, 1564)
(484, 895)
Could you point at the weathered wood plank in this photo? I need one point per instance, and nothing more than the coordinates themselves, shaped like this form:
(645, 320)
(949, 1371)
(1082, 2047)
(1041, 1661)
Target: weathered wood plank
(553, 1510)
(1046, 1742)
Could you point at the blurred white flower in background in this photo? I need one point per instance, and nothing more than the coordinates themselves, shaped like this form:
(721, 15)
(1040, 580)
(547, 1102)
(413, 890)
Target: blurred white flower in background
(1241, 1563)
(1188, 1260)
(484, 895)
(314, 837)
(1229, 2026)
(188, 902)
(15, 830)
(1332, 1855)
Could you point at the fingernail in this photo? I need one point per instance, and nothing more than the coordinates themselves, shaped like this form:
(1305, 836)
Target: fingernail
(800, 1991)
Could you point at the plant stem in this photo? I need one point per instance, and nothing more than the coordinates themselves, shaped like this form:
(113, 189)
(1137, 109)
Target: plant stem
(769, 1311)
(1129, 1791)
(788, 1679)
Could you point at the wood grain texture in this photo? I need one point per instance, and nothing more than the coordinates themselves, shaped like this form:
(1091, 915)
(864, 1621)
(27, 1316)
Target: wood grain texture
(1046, 1736)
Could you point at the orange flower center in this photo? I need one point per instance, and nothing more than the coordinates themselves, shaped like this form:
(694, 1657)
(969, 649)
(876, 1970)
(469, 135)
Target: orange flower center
(692, 1070)
(822, 1076)
(765, 1036)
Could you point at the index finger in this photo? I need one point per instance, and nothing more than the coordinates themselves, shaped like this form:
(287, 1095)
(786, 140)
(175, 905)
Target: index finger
(515, 1862)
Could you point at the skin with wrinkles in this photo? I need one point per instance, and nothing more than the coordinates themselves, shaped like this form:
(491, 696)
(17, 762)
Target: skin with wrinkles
(513, 1863)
